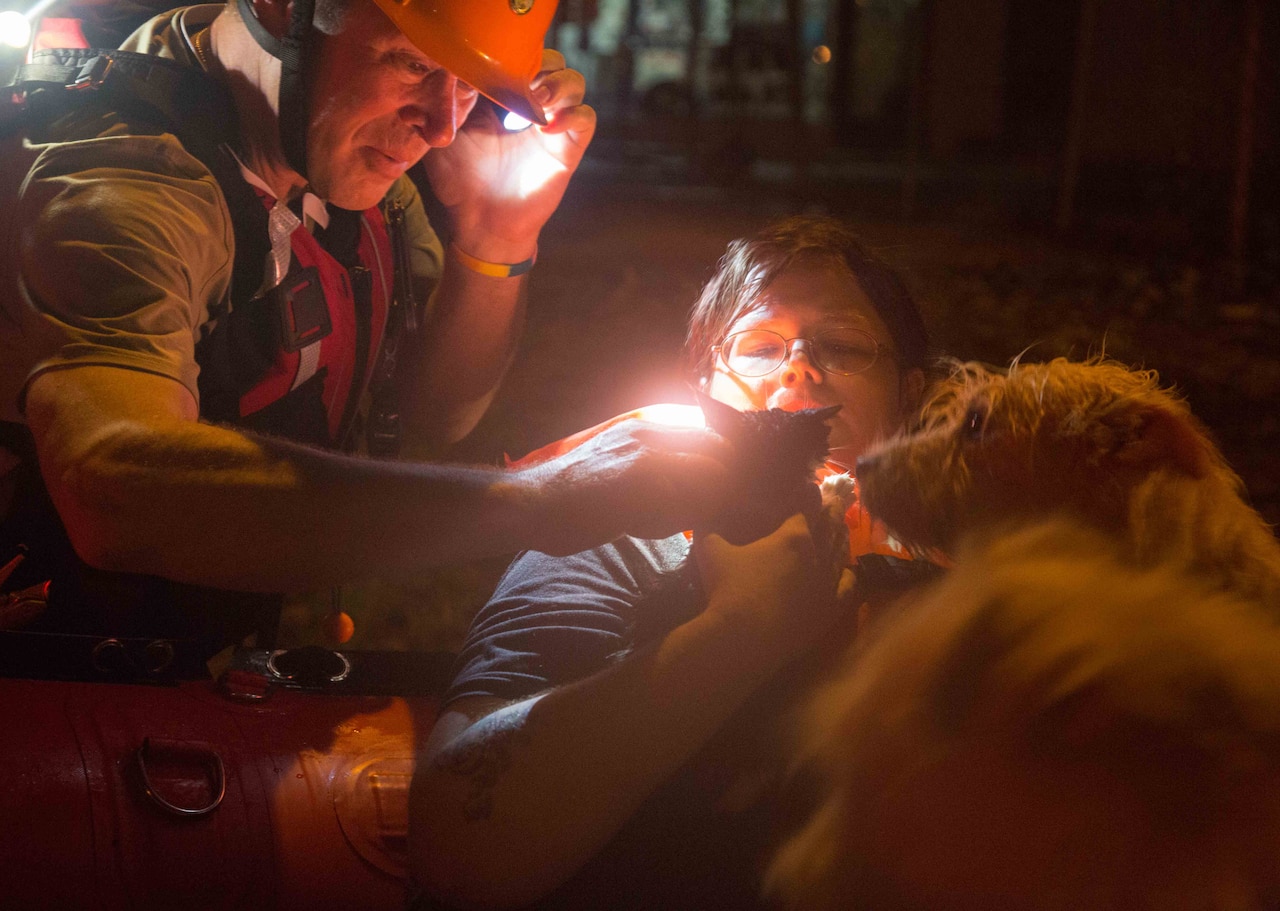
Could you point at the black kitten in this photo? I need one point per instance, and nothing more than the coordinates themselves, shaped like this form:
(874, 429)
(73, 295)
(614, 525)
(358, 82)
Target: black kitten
(776, 454)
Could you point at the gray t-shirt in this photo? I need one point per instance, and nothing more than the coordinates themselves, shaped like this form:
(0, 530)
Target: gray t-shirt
(704, 838)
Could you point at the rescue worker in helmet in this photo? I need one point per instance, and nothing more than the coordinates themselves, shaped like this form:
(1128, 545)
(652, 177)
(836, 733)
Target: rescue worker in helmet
(214, 259)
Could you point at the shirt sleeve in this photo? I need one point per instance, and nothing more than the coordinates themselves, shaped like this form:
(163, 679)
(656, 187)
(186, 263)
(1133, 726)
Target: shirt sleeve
(125, 248)
(554, 620)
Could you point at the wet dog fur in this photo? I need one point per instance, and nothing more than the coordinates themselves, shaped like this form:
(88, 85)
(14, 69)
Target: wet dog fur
(1094, 440)
(1050, 728)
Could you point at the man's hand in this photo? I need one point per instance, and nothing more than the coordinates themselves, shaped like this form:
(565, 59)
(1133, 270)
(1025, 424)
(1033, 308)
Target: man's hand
(500, 187)
(636, 478)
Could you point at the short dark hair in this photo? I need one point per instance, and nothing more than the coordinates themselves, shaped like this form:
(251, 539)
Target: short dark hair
(750, 264)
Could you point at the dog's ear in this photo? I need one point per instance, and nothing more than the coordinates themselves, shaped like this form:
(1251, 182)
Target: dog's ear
(1150, 437)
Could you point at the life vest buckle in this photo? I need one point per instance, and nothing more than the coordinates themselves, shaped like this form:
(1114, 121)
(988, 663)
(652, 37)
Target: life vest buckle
(93, 74)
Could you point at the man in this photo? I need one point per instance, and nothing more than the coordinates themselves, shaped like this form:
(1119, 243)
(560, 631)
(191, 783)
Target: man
(206, 242)
(612, 738)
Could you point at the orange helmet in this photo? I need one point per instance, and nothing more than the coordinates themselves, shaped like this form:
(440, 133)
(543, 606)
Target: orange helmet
(493, 45)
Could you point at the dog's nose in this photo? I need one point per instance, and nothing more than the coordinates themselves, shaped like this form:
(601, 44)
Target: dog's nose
(864, 464)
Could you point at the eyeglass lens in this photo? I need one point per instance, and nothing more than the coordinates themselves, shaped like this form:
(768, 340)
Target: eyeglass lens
(757, 352)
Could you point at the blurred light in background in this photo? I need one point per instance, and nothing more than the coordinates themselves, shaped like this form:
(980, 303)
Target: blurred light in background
(15, 29)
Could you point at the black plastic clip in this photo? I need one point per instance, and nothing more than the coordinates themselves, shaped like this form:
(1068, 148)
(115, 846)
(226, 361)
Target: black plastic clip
(93, 73)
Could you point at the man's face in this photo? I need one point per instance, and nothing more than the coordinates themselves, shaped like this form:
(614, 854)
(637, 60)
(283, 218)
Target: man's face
(810, 295)
(377, 105)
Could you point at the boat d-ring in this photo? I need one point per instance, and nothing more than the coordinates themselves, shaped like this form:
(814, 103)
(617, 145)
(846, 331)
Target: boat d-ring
(309, 665)
(214, 763)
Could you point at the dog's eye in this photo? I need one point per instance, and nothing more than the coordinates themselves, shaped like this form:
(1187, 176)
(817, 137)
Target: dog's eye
(975, 421)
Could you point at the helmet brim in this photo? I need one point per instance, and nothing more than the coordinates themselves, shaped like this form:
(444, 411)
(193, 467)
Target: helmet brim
(492, 82)
(485, 43)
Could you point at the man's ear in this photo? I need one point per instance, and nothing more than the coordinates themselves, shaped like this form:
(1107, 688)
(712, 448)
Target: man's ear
(910, 392)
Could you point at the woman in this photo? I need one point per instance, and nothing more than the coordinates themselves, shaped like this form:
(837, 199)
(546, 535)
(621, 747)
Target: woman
(611, 737)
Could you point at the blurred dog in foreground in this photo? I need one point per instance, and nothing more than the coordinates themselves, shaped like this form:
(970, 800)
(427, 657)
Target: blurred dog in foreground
(1053, 729)
(1086, 712)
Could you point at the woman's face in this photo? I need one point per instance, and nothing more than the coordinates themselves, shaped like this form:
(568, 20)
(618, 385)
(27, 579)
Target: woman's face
(811, 295)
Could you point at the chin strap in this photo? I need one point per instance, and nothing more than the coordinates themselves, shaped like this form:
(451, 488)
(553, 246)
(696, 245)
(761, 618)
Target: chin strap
(293, 52)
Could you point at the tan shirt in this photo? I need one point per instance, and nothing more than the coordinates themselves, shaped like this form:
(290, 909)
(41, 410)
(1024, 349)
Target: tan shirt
(117, 249)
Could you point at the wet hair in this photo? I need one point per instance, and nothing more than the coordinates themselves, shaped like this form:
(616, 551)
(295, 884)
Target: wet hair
(750, 264)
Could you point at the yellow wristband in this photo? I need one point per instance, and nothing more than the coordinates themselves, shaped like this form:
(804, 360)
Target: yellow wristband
(494, 270)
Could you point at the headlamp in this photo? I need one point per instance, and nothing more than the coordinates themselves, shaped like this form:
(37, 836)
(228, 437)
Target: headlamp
(514, 123)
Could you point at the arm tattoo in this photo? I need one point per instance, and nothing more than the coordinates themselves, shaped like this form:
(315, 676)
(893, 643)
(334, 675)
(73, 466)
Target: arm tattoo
(483, 754)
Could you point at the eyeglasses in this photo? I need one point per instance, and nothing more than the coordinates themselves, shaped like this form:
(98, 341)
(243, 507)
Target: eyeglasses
(843, 350)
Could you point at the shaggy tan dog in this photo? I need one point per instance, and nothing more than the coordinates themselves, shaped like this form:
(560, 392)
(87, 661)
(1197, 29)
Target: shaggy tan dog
(1086, 712)
(1094, 440)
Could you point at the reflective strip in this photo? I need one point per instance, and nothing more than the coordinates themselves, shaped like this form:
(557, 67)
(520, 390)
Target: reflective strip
(281, 223)
(312, 205)
(308, 362)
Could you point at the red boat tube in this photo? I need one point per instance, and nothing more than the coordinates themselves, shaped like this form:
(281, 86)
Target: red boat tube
(265, 790)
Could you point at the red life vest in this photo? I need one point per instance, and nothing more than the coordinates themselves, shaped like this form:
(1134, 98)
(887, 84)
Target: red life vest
(342, 357)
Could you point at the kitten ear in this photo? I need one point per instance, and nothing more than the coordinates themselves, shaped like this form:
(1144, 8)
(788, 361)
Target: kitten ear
(1151, 436)
(721, 418)
(825, 414)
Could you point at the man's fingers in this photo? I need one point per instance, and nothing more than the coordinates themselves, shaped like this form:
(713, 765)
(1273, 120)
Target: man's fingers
(559, 89)
(578, 121)
(551, 60)
(697, 440)
(665, 439)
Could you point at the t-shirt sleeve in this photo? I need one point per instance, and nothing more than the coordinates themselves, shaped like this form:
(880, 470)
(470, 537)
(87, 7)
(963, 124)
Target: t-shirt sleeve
(554, 620)
(125, 248)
